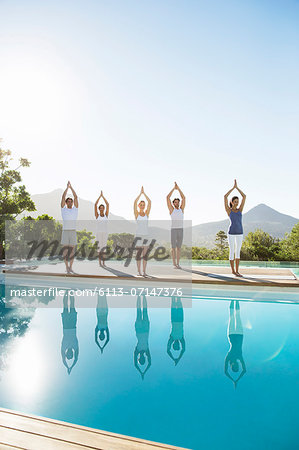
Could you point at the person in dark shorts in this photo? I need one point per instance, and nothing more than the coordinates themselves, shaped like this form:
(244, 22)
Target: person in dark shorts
(176, 211)
(176, 342)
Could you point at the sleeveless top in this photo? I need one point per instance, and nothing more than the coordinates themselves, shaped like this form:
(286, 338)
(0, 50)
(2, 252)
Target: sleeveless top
(142, 225)
(102, 223)
(177, 217)
(235, 223)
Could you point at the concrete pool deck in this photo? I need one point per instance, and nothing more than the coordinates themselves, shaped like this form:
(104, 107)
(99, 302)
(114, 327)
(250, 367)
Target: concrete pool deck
(252, 276)
(25, 431)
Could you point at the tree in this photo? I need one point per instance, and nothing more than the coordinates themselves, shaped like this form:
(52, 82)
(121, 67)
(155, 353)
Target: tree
(14, 199)
(221, 244)
(290, 245)
(260, 246)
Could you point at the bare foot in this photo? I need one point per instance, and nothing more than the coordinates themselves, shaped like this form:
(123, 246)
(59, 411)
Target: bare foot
(238, 274)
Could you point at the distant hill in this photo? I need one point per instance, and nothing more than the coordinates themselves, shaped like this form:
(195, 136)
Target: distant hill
(49, 203)
(261, 216)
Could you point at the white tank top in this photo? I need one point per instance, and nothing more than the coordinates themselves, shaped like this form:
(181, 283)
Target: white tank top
(177, 217)
(142, 225)
(102, 223)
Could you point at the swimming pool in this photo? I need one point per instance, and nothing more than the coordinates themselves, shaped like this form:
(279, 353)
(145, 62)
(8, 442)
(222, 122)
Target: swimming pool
(184, 398)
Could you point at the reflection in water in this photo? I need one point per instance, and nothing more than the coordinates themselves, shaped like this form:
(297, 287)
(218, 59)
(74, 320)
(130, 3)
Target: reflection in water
(235, 337)
(176, 341)
(69, 344)
(14, 322)
(102, 335)
(142, 356)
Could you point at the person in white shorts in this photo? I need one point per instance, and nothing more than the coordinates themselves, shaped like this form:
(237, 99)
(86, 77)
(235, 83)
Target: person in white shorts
(142, 233)
(176, 212)
(69, 213)
(101, 213)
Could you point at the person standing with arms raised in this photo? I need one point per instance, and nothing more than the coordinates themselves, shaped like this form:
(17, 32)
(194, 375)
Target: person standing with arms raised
(101, 214)
(69, 213)
(176, 211)
(235, 231)
(141, 213)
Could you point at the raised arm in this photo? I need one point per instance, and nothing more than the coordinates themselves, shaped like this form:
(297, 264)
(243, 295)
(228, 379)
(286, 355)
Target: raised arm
(243, 198)
(149, 203)
(169, 344)
(226, 368)
(76, 204)
(183, 204)
(107, 204)
(62, 203)
(226, 205)
(135, 205)
(96, 211)
(170, 206)
(243, 369)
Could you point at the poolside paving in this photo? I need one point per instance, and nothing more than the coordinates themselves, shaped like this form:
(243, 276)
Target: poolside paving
(198, 274)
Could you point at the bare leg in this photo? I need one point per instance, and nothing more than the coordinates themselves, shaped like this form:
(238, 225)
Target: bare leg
(178, 255)
(66, 300)
(65, 252)
(173, 256)
(237, 267)
(232, 266)
(138, 260)
(144, 259)
(72, 254)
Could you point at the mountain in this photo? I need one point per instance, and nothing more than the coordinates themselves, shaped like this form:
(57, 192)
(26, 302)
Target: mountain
(49, 203)
(261, 216)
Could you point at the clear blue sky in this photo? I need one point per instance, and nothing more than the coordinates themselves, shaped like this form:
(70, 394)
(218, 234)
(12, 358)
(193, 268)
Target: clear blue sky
(116, 94)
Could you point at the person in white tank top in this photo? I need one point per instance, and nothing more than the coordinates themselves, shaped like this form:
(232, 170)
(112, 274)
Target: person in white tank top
(69, 212)
(101, 214)
(176, 211)
(141, 212)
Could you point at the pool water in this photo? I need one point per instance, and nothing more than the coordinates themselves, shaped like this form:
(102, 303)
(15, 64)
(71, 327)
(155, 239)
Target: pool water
(184, 398)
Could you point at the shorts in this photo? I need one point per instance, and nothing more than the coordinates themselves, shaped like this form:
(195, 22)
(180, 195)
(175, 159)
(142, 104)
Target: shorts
(102, 237)
(69, 237)
(176, 237)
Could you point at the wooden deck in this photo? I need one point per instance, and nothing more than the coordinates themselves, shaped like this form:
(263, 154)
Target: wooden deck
(24, 431)
(276, 277)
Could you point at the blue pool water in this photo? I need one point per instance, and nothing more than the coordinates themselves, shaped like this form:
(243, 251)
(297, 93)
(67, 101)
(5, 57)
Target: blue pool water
(192, 403)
